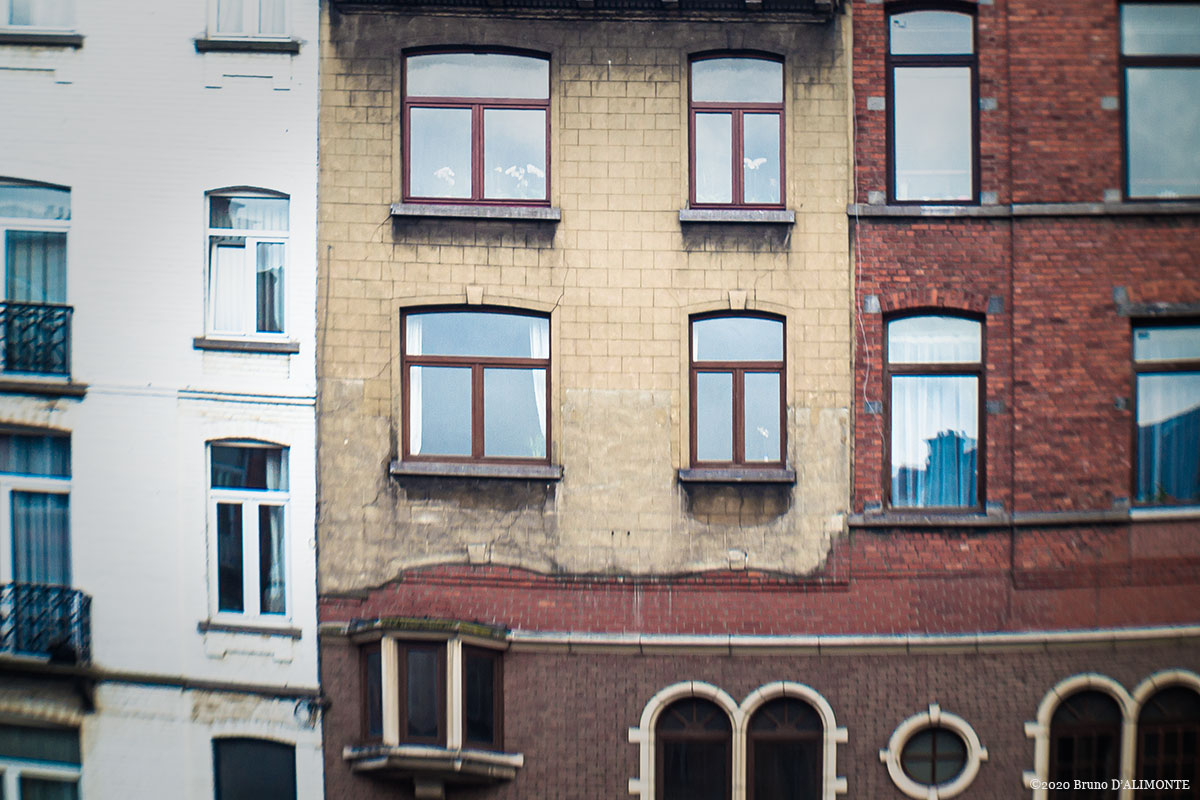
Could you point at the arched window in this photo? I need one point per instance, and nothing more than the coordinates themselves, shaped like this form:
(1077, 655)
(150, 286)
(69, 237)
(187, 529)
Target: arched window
(784, 751)
(1169, 740)
(694, 751)
(1085, 744)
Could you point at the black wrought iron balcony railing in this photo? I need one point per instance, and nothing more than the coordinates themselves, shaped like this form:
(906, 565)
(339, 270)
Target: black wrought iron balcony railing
(35, 338)
(38, 619)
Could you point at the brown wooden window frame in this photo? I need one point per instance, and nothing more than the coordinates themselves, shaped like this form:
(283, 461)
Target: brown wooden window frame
(1080, 730)
(364, 654)
(1126, 62)
(477, 364)
(691, 735)
(737, 110)
(891, 62)
(400, 678)
(477, 106)
(814, 738)
(738, 370)
(497, 659)
(975, 370)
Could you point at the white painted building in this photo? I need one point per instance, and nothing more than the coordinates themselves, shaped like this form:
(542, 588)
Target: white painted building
(157, 393)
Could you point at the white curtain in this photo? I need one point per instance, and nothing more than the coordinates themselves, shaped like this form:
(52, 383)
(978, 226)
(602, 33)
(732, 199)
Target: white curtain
(43, 13)
(271, 18)
(271, 547)
(269, 287)
(1168, 457)
(229, 16)
(41, 538)
(935, 429)
(539, 347)
(230, 298)
(35, 267)
(413, 336)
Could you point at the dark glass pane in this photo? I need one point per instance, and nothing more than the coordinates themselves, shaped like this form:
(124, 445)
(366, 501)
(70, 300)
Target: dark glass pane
(271, 565)
(422, 694)
(269, 287)
(229, 558)
(695, 770)
(439, 407)
(760, 158)
(35, 267)
(921, 744)
(934, 340)
(1176, 704)
(253, 769)
(935, 429)
(1174, 343)
(737, 339)
(1165, 29)
(23, 454)
(1087, 707)
(477, 75)
(439, 149)
(373, 662)
(762, 398)
(786, 714)
(514, 154)
(931, 33)
(1162, 107)
(477, 333)
(786, 770)
(479, 697)
(48, 789)
(1168, 438)
(714, 416)
(919, 770)
(34, 202)
(737, 80)
(249, 467)
(60, 745)
(694, 715)
(933, 136)
(714, 158)
(41, 538)
(249, 213)
(514, 413)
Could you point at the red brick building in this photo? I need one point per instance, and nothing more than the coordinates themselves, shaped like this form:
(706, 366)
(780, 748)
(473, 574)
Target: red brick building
(971, 567)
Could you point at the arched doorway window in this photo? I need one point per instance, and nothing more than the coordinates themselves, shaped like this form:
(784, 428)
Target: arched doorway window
(784, 751)
(694, 751)
(1169, 741)
(1085, 745)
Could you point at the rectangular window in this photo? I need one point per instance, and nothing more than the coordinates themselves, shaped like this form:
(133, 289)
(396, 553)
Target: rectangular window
(249, 18)
(35, 481)
(737, 389)
(248, 505)
(1160, 58)
(1167, 366)
(247, 261)
(934, 382)
(481, 697)
(736, 111)
(254, 769)
(933, 118)
(49, 15)
(39, 763)
(476, 385)
(477, 128)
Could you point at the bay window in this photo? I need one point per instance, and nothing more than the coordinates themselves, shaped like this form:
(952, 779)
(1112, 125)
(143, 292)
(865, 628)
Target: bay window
(476, 127)
(1167, 367)
(247, 237)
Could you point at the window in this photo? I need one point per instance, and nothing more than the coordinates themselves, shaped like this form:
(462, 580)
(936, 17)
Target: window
(694, 751)
(934, 756)
(1160, 57)
(737, 391)
(247, 238)
(39, 763)
(1167, 366)
(932, 85)
(736, 115)
(1085, 738)
(784, 751)
(38, 14)
(934, 379)
(35, 482)
(1169, 740)
(477, 127)
(248, 18)
(411, 677)
(254, 769)
(35, 323)
(476, 385)
(248, 507)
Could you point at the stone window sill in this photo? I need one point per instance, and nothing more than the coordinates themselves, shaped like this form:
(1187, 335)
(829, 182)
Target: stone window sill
(43, 387)
(41, 39)
(465, 211)
(738, 475)
(432, 766)
(446, 469)
(1127, 208)
(948, 519)
(777, 216)
(208, 626)
(1164, 512)
(284, 347)
(206, 45)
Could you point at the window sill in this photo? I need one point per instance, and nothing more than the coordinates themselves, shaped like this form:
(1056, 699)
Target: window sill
(778, 216)
(918, 519)
(738, 475)
(432, 763)
(446, 469)
(41, 39)
(247, 45)
(208, 626)
(1127, 208)
(285, 347)
(43, 387)
(466, 211)
(1164, 512)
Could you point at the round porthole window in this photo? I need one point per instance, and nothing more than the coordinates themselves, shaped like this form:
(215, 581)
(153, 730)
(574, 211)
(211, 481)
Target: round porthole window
(933, 755)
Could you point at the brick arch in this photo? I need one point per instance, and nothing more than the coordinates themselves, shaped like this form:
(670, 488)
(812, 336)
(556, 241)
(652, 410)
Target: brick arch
(952, 300)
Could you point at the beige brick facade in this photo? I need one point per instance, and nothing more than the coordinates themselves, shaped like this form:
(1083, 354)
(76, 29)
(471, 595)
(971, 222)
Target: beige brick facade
(619, 276)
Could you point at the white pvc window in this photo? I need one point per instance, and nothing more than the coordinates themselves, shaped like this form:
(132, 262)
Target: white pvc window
(35, 485)
(49, 15)
(249, 18)
(247, 237)
(39, 763)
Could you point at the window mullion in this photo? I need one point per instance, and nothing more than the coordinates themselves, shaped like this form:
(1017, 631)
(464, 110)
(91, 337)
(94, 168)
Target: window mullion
(477, 151)
(251, 593)
(454, 694)
(390, 677)
(739, 156)
(739, 416)
(477, 411)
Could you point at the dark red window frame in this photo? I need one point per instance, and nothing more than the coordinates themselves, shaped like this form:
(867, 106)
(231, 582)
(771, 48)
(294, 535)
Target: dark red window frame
(477, 105)
(738, 111)
(739, 370)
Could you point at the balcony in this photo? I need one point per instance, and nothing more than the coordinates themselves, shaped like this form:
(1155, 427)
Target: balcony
(44, 621)
(35, 339)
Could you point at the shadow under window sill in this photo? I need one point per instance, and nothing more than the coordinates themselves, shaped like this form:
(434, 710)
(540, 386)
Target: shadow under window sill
(454, 469)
